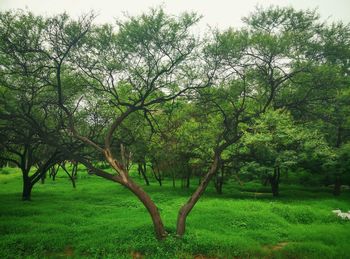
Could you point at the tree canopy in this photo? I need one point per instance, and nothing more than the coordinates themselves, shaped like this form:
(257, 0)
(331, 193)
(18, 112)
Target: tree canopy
(270, 96)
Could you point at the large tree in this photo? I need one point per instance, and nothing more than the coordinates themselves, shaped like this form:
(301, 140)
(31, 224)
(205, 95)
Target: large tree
(256, 68)
(132, 68)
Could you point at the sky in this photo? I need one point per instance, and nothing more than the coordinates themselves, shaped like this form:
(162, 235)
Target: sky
(216, 13)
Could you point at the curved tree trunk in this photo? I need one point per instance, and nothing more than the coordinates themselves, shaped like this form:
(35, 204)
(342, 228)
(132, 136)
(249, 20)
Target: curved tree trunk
(124, 179)
(71, 176)
(150, 206)
(186, 208)
(30, 181)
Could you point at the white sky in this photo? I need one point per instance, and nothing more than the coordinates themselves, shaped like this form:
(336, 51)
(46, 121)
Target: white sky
(216, 13)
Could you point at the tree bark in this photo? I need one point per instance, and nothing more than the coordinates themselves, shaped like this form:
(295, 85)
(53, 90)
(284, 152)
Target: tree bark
(75, 171)
(142, 170)
(188, 206)
(218, 184)
(274, 181)
(43, 177)
(54, 171)
(150, 206)
(157, 174)
(173, 172)
(30, 180)
(71, 177)
(219, 181)
(267, 179)
(27, 188)
(275, 189)
(124, 179)
(188, 177)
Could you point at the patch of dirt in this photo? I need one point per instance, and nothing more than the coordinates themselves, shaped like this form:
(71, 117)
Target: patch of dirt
(135, 255)
(199, 256)
(270, 249)
(68, 251)
(279, 246)
(256, 193)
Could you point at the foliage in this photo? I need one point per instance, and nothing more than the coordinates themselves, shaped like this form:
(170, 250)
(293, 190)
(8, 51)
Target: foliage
(270, 96)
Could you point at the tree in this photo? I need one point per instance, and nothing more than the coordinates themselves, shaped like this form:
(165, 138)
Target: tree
(26, 111)
(254, 67)
(277, 142)
(144, 62)
(328, 108)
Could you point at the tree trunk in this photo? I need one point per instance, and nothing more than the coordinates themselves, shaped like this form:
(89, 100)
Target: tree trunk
(186, 208)
(54, 171)
(188, 177)
(73, 183)
(274, 181)
(69, 175)
(124, 179)
(27, 189)
(337, 186)
(150, 206)
(275, 189)
(142, 170)
(219, 181)
(218, 184)
(30, 181)
(43, 177)
(267, 179)
(157, 174)
(173, 178)
(75, 171)
(160, 181)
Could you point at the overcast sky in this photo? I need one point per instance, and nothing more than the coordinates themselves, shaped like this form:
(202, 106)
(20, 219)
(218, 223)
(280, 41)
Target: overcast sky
(216, 13)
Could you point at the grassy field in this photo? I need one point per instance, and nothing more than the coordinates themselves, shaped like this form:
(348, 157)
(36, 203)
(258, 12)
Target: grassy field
(100, 219)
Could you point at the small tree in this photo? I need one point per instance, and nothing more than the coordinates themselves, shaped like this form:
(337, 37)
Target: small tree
(276, 142)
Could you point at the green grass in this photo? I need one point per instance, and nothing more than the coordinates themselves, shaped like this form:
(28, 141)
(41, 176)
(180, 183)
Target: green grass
(100, 219)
